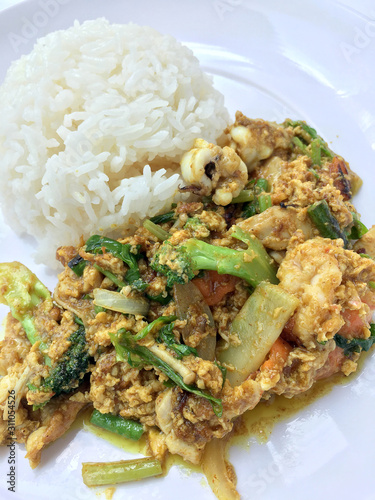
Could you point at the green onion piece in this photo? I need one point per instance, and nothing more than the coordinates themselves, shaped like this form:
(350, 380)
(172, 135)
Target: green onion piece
(358, 230)
(156, 230)
(117, 281)
(366, 256)
(324, 149)
(98, 309)
(245, 196)
(160, 219)
(326, 223)
(262, 185)
(371, 284)
(116, 301)
(264, 202)
(78, 321)
(297, 142)
(316, 153)
(131, 429)
(309, 130)
(97, 473)
(314, 172)
(249, 210)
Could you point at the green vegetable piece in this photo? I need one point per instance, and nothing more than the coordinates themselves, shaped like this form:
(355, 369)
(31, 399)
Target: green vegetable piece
(174, 263)
(245, 196)
(327, 224)
(300, 145)
(99, 473)
(311, 131)
(316, 153)
(262, 185)
(77, 265)
(22, 291)
(194, 223)
(355, 345)
(131, 429)
(258, 325)
(166, 336)
(95, 245)
(264, 202)
(324, 149)
(249, 210)
(126, 345)
(115, 279)
(256, 198)
(179, 263)
(318, 147)
(314, 172)
(161, 219)
(153, 327)
(156, 230)
(69, 370)
(358, 230)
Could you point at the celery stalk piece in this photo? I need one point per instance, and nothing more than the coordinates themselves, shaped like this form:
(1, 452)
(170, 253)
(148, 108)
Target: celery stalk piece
(257, 326)
(100, 473)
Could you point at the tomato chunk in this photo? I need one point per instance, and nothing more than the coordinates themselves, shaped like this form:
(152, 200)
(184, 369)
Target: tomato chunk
(214, 286)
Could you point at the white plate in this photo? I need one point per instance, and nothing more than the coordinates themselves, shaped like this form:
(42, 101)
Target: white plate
(309, 60)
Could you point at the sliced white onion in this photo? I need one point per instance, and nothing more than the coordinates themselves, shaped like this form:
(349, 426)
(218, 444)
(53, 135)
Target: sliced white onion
(185, 296)
(216, 470)
(116, 301)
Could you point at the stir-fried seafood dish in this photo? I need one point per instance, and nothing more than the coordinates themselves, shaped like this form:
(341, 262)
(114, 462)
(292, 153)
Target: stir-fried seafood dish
(260, 282)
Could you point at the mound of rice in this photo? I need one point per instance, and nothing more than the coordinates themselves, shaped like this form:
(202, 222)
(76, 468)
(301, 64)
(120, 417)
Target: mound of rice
(83, 115)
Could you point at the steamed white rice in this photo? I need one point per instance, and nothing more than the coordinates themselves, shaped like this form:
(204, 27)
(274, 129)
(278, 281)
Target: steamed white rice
(82, 117)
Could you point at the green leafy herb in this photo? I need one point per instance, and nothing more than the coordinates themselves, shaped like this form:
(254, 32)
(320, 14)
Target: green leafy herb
(126, 347)
(328, 226)
(77, 265)
(223, 370)
(355, 345)
(122, 251)
(166, 337)
(161, 219)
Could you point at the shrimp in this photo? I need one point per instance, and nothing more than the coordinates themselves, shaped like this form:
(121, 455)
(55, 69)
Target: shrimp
(275, 226)
(208, 168)
(311, 272)
(328, 280)
(257, 140)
